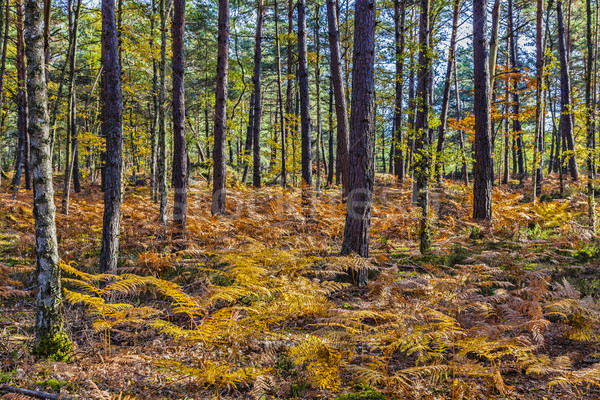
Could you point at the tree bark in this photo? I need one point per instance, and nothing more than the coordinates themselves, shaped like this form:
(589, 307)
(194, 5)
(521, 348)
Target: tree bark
(341, 109)
(154, 110)
(112, 118)
(399, 31)
(494, 41)
(50, 337)
(422, 126)
(517, 128)
(70, 162)
(589, 118)
(539, 114)
(482, 178)
(220, 171)
(361, 172)
(256, 79)
(282, 119)
(566, 119)
(22, 155)
(162, 129)
(305, 122)
(180, 154)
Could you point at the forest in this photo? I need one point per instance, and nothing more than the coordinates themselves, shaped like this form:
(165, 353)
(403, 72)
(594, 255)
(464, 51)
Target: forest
(302, 199)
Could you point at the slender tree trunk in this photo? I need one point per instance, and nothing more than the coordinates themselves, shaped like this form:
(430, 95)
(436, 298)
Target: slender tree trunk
(290, 86)
(180, 154)
(507, 149)
(589, 118)
(446, 96)
(517, 129)
(282, 120)
(256, 79)
(330, 127)
(482, 179)
(318, 85)
(305, 122)
(162, 129)
(154, 110)
(249, 134)
(461, 141)
(341, 109)
(566, 120)
(50, 337)
(220, 171)
(22, 155)
(112, 118)
(72, 116)
(400, 27)
(494, 42)
(361, 172)
(422, 126)
(539, 114)
(4, 35)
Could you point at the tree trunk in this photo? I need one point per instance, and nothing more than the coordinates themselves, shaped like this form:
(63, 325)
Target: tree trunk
(112, 114)
(50, 337)
(4, 36)
(282, 120)
(220, 131)
(446, 96)
(154, 110)
(22, 155)
(517, 129)
(566, 120)
(341, 109)
(422, 126)
(494, 42)
(589, 118)
(180, 154)
(318, 85)
(398, 146)
(256, 79)
(330, 128)
(162, 129)
(305, 123)
(72, 116)
(482, 177)
(539, 114)
(461, 141)
(290, 84)
(361, 172)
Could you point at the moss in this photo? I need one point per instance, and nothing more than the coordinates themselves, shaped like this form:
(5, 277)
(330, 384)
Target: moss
(55, 346)
(53, 384)
(367, 394)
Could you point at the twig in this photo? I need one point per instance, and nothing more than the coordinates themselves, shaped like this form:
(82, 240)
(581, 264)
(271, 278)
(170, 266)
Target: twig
(33, 393)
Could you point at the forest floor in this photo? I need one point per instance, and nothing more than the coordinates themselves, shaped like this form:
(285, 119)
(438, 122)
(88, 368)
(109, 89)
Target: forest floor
(257, 306)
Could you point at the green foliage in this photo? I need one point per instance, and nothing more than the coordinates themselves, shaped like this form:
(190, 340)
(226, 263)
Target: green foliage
(368, 393)
(589, 252)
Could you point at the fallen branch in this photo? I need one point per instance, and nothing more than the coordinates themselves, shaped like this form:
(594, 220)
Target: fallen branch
(32, 393)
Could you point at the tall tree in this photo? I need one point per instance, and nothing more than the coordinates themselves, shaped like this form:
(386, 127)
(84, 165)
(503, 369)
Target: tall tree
(304, 97)
(566, 112)
(494, 41)
(154, 109)
(180, 155)
(112, 118)
(50, 337)
(256, 80)
(318, 85)
(399, 31)
(337, 77)
(220, 172)
(517, 128)
(22, 151)
(4, 36)
(482, 174)
(590, 117)
(70, 161)
(282, 119)
(539, 106)
(164, 11)
(446, 95)
(422, 126)
(361, 171)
